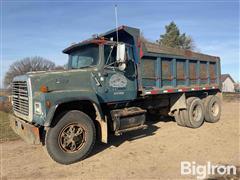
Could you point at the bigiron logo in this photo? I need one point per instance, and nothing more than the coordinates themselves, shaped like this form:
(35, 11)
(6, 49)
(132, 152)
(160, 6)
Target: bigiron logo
(202, 171)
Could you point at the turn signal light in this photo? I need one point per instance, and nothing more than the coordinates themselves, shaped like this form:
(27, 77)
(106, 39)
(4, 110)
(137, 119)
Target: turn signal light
(44, 89)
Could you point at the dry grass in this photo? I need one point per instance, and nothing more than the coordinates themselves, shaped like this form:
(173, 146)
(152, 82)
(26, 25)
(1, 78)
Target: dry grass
(6, 106)
(229, 97)
(6, 133)
(5, 92)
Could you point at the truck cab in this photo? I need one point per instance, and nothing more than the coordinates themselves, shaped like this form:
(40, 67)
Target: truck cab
(114, 77)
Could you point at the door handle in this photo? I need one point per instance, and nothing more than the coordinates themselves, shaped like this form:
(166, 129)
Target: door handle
(132, 76)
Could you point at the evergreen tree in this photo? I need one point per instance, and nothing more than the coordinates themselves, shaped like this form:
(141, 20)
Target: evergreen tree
(173, 38)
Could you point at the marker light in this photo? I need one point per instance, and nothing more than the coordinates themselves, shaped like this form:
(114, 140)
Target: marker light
(44, 89)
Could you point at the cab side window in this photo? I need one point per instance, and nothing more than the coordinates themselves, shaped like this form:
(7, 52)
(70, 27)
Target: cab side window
(130, 68)
(110, 58)
(110, 55)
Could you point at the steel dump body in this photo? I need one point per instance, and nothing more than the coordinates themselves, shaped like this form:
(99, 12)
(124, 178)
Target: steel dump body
(167, 70)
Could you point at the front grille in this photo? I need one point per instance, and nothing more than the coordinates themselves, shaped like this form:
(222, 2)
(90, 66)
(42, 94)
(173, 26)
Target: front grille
(20, 97)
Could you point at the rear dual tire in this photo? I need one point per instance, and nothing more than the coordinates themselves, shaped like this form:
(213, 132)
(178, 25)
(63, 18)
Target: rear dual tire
(212, 109)
(208, 109)
(193, 116)
(178, 118)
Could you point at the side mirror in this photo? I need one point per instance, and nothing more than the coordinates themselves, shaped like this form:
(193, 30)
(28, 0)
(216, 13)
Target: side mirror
(121, 52)
(121, 59)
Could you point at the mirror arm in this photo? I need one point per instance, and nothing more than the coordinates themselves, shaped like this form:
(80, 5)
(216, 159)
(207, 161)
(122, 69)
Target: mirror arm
(109, 55)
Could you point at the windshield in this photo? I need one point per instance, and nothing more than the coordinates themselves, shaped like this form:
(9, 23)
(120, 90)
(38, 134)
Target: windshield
(84, 57)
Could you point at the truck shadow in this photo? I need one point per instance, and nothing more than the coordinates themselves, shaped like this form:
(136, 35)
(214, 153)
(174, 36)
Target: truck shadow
(115, 141)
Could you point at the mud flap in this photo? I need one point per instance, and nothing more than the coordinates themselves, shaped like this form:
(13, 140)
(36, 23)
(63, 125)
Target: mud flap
(177, 102)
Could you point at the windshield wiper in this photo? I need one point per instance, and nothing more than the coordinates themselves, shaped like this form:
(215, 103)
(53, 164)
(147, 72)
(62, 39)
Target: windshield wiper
(85, 67)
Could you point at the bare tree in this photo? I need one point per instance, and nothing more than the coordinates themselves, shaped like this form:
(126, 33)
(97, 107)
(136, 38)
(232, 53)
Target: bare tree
(27, 65)
(61, 67)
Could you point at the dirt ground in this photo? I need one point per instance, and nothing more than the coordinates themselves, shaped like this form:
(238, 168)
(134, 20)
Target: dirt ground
(154, 153)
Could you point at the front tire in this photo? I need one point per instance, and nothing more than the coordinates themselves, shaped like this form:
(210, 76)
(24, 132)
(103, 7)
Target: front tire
(72, 138)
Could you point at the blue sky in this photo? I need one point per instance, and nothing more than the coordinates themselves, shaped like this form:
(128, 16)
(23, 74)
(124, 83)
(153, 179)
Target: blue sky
(45, 28)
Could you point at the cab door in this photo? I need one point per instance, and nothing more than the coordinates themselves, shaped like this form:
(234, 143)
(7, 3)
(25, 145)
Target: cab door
(119, 85)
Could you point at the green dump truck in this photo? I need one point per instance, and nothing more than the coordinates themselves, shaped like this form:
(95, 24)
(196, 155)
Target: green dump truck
(113, 80)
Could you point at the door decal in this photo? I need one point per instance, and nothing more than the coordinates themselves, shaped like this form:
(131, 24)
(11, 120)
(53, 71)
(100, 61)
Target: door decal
(118, 81)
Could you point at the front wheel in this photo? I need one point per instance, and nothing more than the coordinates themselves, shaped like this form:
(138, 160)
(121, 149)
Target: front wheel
(72, 138)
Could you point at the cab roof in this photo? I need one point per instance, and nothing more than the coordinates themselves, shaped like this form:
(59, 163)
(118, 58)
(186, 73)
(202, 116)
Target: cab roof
(103, 38)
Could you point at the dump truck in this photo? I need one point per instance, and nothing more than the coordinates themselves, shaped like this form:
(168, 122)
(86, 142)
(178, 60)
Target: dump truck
(113, 81)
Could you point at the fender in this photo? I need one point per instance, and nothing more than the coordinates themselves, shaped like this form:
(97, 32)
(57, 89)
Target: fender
(99, 114)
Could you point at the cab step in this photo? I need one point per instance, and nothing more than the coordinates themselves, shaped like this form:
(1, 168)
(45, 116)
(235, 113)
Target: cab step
(120, 132)
(128, 119)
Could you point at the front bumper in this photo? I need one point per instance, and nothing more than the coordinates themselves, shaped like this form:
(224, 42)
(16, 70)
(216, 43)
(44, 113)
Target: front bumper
(26, 131)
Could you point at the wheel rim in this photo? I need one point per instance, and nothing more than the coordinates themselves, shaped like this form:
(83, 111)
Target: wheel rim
(215, 109)
(72, 138)
(196, 113)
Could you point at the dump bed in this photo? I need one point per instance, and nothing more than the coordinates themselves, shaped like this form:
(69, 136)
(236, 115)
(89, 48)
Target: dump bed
(169, 70)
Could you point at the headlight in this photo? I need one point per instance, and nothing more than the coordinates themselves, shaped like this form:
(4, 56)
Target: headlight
(37, 108)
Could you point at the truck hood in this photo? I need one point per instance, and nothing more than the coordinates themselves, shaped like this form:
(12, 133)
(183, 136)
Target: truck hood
(59, 80)
(44, 72)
